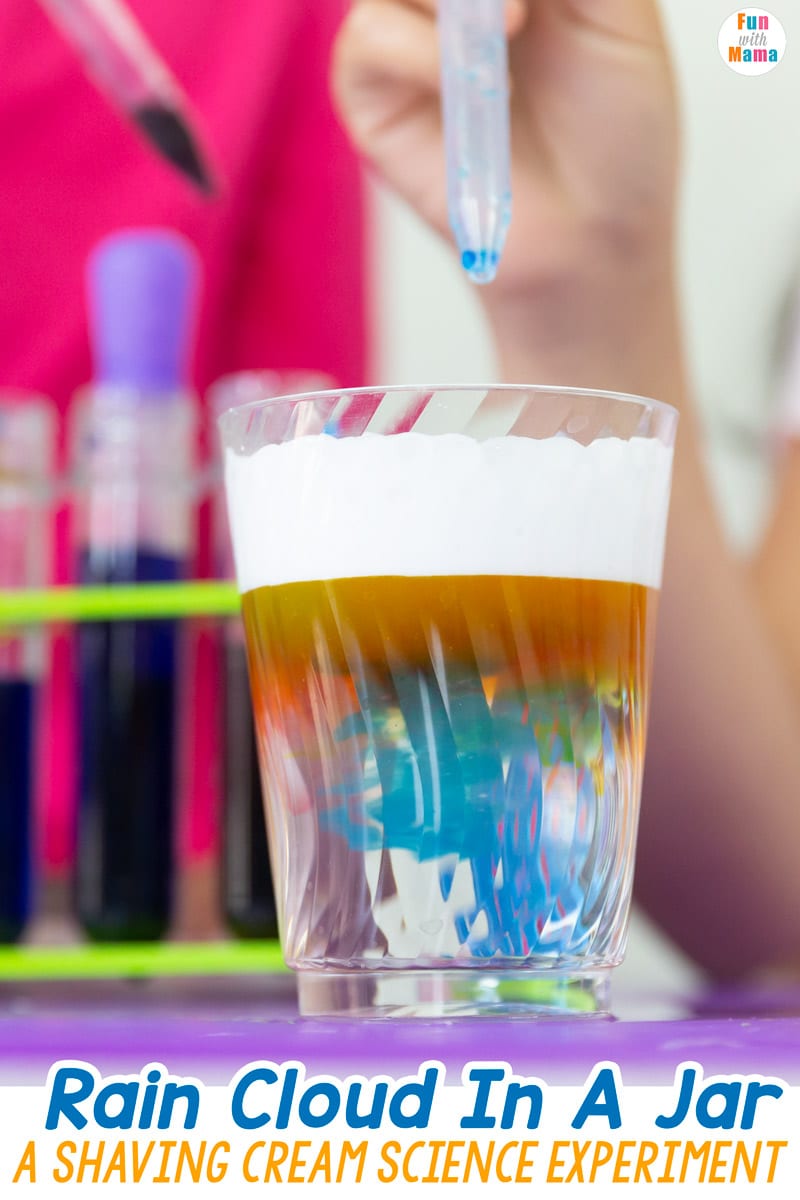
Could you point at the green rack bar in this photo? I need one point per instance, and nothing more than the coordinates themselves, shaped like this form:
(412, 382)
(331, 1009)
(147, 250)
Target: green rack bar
(140, 960)
(120, 602)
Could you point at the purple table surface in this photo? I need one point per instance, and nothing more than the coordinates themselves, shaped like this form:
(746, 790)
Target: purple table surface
(212, 1027)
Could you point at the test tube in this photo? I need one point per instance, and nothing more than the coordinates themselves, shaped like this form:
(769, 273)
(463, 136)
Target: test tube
(248, 899)
(134, 455)
(27, 438)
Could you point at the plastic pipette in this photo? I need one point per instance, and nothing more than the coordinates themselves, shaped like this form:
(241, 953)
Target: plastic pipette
(124, 64)
(475, 99)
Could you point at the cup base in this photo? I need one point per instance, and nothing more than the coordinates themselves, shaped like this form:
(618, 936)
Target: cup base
(426, 994)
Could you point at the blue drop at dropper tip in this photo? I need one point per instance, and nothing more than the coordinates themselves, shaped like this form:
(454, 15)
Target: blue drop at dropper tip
(480, 265)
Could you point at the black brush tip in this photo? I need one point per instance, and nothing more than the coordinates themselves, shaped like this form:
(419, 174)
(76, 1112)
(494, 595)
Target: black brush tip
(171, 136)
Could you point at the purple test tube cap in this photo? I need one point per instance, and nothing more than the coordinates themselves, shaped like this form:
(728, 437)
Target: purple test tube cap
(142, 287)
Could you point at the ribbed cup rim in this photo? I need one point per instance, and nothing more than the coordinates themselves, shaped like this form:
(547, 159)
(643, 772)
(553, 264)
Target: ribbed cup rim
(661, 406)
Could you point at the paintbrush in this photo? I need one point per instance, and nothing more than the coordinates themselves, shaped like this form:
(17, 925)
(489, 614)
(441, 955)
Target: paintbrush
(118, 56)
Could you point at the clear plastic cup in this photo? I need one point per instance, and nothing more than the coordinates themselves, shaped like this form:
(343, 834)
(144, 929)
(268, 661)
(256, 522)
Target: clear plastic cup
(248, 897)
(449, 601)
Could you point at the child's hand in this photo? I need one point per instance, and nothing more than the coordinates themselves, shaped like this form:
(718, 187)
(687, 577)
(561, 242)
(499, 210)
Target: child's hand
(593, 128)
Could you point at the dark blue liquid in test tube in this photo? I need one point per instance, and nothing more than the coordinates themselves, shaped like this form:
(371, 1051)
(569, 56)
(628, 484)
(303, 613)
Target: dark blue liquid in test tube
(16, 790)
(27, 439)
(134, 457)
(127, 773)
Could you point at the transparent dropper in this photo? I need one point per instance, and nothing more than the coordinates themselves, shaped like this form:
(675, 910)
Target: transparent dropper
(475, 102)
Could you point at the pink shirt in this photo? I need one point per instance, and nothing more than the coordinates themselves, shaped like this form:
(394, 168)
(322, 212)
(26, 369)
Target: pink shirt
(282, 248)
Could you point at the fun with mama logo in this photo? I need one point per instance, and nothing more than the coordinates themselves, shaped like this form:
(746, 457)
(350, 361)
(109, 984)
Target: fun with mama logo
(752, 41)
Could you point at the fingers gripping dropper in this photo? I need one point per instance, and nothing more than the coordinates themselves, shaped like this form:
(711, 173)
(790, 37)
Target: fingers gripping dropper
(475, 101)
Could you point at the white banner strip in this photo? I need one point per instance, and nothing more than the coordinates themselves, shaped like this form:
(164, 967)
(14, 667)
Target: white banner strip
(276, 1125)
